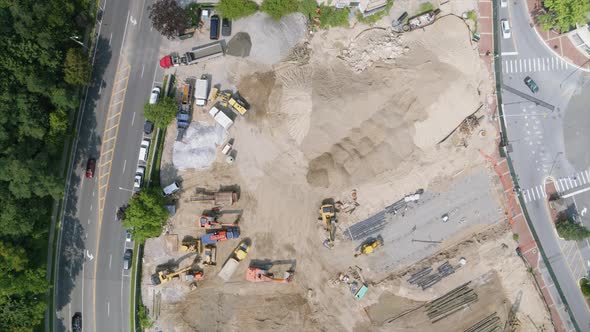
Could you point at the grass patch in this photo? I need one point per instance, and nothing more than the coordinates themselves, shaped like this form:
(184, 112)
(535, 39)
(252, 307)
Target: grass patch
(472, 15)
(132, 296)
(333, 17)
(515, 237)
(155, 175)
(377, 16)
(425, 7)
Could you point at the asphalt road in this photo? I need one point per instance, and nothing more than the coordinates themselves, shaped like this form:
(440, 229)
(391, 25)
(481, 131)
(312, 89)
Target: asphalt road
(90, 276)
(536, 137)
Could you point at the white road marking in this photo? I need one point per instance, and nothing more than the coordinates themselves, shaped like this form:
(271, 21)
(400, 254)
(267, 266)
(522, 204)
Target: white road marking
(142, 68)
(125, 32)
(583, 178)
(533, 194)
(93, 194)
(88, 221)
(90, 207)
(537, 190)
(124, 165)
(133, 119)
(552, 63)
(510, 66)
(587, 175)
(108, 309)
(110, 260)
(509, 53)
(110, 39)
(563, 184)
(570, 181)
(99, 89)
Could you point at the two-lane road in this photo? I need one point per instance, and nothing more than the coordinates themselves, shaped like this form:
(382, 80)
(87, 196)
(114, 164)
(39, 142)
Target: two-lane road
(90, 276)
(536, 136)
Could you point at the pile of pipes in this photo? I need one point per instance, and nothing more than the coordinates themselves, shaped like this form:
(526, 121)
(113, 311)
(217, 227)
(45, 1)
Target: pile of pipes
(451, 302)
(425, 279)
(488, 324)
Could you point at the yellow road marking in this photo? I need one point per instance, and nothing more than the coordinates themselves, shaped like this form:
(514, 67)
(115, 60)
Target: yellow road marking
(114, 126)
(109, 139)
(114, 115)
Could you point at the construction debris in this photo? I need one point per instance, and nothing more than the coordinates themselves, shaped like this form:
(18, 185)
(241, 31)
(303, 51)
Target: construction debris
(373, 45)
(450, 303)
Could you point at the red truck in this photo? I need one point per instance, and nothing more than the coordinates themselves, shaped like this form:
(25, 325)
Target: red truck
(226, 234)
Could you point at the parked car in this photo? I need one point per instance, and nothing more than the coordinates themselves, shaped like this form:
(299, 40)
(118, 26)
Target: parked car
(90, 165)
(171, 189)
(155, 95)
(148, 127)
(128, 235)
(531, 84)
(77, 322)
(214, 33)
(504, 3)
(506, 32)
(225, 27)
(139, 173)
(127, 259)
(144, 149)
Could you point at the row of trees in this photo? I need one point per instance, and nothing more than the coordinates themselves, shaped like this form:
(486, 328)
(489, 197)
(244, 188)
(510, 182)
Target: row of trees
(42, 69)
(170, 19)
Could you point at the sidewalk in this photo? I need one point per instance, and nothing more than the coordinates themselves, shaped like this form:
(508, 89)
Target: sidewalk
(560, 44)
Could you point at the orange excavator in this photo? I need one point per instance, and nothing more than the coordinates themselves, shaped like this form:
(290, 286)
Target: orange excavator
(255, 274)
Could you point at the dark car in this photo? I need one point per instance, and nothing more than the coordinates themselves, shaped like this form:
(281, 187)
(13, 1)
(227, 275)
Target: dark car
(531, 84)
(77, 322)
(148, 127)
(127, 259)
(90, 165)
(214, 34)
(225, 27)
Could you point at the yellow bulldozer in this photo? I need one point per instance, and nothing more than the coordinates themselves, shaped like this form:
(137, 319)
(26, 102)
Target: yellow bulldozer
(369, 247)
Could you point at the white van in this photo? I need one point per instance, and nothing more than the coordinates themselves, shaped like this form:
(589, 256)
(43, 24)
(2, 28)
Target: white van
(171, 189)
(155, 95)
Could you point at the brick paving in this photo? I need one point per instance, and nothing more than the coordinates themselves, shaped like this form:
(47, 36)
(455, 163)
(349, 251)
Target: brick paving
(559, 43)
(514, 212)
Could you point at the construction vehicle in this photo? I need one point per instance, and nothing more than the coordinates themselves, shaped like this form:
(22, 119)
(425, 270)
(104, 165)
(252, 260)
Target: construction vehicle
(232, 263)
(369, 248)
(201, 91)
(197, 54)
(238, 105)
(254, 274)
(328, 217)
(220, 198)
(213, 94)
(191, 246)
(209, 256)
(163, 277)
(221, 235)
(211, 222)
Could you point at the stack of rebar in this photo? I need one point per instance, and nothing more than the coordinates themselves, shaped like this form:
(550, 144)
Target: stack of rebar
(424, 279)
(450, 303)
(489, 324)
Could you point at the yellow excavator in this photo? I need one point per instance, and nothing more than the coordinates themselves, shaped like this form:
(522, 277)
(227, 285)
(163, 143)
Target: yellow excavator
(369, 247)
(162, 277)
(328, 217)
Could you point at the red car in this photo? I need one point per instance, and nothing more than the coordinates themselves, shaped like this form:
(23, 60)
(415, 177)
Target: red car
(90, 168)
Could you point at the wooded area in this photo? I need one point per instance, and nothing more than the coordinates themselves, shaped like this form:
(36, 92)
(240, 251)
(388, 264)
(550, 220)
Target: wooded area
(36, 102)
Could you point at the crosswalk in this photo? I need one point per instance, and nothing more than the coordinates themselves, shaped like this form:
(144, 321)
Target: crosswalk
(534, 65)
(563, 184)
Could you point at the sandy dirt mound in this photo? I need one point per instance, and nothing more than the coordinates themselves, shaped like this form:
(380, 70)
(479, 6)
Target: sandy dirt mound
(239, 45)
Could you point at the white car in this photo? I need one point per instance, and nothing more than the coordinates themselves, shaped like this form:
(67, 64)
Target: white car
(139, 173)
(506, 32)
(128, 236)
(155, 95)
(504, 3)
(144, 149)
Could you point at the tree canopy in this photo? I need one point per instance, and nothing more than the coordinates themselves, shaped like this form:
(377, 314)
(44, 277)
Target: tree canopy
(168, 18)
(162, 113)
(234, 9)
(569, 230)
(279, 8)
(563, 15)
(146, 214)
(42, 69)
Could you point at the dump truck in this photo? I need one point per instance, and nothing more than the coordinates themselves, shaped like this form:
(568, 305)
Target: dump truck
(197, 54)
(201, 92)
(210, 255)
(255, 274)
(232, 263)
(222, 235)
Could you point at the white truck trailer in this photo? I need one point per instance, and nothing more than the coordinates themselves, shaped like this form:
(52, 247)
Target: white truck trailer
(201, 92)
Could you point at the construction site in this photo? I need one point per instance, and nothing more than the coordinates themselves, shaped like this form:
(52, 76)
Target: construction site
(338, 181)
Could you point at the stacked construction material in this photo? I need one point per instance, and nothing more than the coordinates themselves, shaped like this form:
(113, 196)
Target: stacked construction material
(424, 279)
(489, 324)
(448, 304)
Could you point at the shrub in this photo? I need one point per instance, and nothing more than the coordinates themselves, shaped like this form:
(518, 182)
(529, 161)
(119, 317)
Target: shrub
(234, 9)
(279, 8)
(569, 230)
(333, 17)
(585, 287)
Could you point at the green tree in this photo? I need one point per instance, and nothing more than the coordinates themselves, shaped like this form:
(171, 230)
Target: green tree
(563, 15)
(162, 113)
(234, 9)
(333, 17)
(144, 319)
(168, 18)
(77, 67)
(279, 8)
(58, 123)
(585, 287)
(146, 214)
(308, 7)
(569, 230)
